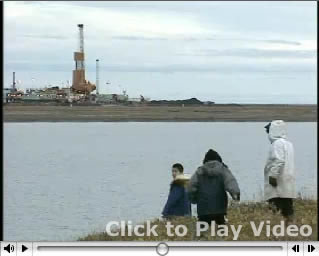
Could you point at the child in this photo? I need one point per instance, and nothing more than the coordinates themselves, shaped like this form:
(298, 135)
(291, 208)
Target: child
(208, 187)
(177, 203)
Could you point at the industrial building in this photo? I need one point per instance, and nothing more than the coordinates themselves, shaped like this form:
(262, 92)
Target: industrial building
(80, 91)
(11, 94)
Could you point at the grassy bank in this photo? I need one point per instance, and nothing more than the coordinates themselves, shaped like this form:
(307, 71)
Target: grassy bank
(238, 214)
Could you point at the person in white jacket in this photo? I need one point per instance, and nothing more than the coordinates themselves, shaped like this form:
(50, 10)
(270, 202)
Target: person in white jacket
(280, 181)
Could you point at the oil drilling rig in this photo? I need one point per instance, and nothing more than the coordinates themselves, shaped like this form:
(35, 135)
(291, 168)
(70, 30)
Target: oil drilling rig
(79, 84)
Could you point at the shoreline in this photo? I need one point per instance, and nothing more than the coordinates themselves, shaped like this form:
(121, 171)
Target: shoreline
(149, 113)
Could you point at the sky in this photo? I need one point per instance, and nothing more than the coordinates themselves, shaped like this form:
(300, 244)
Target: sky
(226, 52)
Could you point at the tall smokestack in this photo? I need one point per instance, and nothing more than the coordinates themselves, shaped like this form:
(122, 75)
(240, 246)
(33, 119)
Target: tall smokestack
(97, 77)
(14, 81)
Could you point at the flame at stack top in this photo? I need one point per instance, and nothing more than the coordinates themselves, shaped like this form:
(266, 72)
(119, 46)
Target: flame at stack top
(79, 83)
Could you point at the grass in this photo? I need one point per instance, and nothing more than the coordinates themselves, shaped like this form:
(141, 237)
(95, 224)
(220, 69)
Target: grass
(238, 214)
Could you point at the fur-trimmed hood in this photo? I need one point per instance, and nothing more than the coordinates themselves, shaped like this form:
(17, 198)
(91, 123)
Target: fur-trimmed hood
(208, 187)
(211, 168)
(178, 203)
(181, 180)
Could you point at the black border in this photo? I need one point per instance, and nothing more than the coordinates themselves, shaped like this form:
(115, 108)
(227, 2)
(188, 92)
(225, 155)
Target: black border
(2, 176)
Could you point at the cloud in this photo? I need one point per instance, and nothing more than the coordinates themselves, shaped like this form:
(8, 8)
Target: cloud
(270, 41)
(165, 43)
(281, 42)
(254, 53)
(41, 36)
(210, 38)
(135, 38)
(168, 68)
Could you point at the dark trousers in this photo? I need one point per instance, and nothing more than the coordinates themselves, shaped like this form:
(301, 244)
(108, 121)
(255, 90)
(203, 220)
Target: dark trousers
(218, 218)
(284, 205)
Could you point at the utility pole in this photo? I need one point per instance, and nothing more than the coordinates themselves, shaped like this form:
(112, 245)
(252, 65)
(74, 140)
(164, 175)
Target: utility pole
(97, 77)
(14, 81)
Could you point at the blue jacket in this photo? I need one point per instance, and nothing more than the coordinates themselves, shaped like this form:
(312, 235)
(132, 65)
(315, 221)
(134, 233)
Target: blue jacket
(177, 203)
(208, 187)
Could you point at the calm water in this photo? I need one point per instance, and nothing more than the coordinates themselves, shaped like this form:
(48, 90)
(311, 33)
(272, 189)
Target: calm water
(64, 180)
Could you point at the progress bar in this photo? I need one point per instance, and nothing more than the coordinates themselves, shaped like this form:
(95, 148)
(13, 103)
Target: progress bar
(151, 248)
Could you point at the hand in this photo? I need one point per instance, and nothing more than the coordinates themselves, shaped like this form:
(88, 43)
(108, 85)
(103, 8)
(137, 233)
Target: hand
(236, 197)
(273, 181)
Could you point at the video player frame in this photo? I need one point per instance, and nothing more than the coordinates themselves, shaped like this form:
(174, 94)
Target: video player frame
(179, 127)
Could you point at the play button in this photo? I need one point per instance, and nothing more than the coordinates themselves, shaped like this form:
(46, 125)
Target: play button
(24, 248)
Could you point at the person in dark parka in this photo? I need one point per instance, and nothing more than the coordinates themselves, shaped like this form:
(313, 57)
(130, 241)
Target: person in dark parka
(178, 203)
(208, 187)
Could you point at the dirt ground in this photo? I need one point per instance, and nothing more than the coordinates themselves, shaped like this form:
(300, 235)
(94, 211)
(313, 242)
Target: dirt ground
(114, 113)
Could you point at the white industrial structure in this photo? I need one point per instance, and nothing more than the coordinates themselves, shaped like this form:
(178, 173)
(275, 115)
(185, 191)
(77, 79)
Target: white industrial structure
(97, 77)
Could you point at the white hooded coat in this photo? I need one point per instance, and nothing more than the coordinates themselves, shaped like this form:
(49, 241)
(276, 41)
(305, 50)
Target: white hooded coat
(280, 163)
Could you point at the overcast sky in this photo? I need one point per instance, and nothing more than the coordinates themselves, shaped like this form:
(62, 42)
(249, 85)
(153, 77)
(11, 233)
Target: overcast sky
(254, 52)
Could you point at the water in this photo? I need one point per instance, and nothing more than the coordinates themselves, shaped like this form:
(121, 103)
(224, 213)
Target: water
(65, 180)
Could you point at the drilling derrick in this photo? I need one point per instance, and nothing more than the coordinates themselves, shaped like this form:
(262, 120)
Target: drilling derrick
(79, 84)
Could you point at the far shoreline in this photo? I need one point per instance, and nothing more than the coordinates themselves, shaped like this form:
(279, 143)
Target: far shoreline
(159, 113)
